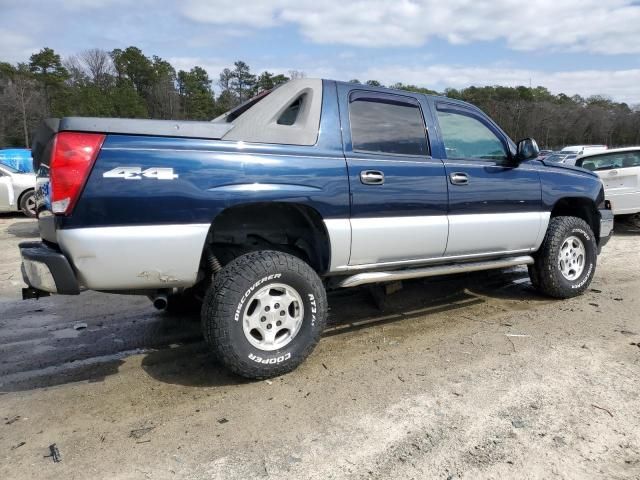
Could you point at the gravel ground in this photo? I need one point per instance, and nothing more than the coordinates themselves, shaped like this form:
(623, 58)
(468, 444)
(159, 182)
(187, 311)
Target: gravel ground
(473, 376)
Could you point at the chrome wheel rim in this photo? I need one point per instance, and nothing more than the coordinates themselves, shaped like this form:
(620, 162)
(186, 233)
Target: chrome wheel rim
(30, 204)
(273, 316)
(572, 258)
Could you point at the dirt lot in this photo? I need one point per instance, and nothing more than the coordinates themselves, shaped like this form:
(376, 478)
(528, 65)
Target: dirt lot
(475, 376)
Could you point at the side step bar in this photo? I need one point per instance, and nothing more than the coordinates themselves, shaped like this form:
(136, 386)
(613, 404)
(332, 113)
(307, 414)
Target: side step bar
(390, 276)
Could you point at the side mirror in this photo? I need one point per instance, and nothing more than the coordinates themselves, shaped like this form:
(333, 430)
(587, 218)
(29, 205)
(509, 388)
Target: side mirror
(527, 150)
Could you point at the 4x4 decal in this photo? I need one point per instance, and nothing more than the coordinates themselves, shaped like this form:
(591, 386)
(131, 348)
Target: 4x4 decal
(136, 173)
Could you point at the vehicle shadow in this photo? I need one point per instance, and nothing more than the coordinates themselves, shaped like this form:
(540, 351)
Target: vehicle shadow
(172, 346)
(354, 309)
(625, 229)
(25, 229)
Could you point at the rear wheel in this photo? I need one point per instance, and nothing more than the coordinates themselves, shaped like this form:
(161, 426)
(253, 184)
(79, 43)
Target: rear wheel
(28, 204)
(264, 313)
(566, 262)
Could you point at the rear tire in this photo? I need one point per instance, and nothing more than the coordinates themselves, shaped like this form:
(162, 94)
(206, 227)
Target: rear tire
(264, 314)
(28, 204)
(566, 262)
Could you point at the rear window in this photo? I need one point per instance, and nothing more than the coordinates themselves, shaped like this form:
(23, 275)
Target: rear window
(235, 112)
(387, 126)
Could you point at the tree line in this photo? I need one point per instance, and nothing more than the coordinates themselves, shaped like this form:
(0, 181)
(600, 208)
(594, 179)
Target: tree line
(127, 83)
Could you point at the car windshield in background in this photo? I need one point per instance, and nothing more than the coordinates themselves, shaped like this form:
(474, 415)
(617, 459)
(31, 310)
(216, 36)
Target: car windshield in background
(9, 169)
(555, 158)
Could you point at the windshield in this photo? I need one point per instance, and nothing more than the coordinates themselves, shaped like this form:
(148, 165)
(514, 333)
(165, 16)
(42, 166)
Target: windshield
(8, 168)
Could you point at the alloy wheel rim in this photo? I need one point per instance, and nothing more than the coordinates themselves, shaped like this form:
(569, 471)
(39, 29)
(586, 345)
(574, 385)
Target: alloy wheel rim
(572, 258)
(273, 316)
(31, 205)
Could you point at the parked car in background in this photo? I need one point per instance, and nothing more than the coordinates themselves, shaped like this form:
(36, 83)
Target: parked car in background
(17, 191)
(17, 158)
(583, 149)
(570, 159)
(619, 170)
(556, 157)
(544, 154)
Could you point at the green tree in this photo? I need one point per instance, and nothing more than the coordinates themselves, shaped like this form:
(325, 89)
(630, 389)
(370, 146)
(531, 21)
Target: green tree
(242, 81)
(48, 70)
(269, 81)
(196, 94)
(22, 103)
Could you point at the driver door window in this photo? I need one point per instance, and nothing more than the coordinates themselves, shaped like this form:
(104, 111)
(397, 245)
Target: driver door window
(467, 137)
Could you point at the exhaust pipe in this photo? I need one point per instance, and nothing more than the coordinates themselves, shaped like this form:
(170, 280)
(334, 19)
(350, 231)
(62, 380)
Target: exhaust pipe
(160, 301)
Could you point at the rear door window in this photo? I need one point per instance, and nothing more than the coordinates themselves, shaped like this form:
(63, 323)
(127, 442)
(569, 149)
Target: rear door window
(387, 125)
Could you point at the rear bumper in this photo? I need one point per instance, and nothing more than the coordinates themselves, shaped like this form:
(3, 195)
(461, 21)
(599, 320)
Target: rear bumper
(47, 269)
(606, 227)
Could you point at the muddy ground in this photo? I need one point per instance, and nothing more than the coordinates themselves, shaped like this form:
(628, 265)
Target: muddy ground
(473, 376)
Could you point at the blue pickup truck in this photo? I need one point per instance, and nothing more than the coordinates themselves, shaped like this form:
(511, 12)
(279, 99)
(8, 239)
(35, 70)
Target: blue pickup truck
(312, 186)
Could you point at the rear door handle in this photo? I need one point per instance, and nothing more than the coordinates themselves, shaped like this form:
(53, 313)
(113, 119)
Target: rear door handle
(372, 177)
(459, 178)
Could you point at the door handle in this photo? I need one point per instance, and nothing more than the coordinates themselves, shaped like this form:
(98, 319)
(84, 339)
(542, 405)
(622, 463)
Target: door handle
(459, 178)
(372, 177)
(613, 172)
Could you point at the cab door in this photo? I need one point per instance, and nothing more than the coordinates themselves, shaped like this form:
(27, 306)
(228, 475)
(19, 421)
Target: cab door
(495, 205)
(398, 190)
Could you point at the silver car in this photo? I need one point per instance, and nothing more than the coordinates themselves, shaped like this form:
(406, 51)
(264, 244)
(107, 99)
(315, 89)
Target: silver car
(17, 191)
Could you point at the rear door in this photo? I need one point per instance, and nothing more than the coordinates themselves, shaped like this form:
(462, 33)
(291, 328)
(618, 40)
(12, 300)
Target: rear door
(494, 204)
(620, 174)
(398, 190)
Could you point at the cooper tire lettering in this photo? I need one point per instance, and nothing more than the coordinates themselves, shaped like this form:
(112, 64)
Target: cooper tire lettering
(270, 361)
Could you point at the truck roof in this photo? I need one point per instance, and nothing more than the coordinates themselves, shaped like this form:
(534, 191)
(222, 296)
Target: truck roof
(361, 86)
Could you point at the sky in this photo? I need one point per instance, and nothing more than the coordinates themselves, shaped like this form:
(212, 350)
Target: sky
(585, 47)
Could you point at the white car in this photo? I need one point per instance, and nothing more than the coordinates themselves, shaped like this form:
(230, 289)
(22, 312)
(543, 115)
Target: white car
(583, 149)
(17, 191)
(619, 170)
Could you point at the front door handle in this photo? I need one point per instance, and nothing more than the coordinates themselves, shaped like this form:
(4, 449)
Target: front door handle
(459, 178)
(372, 177)
(613, 172)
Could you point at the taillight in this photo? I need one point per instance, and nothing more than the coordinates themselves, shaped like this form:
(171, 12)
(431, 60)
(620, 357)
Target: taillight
(71, 161)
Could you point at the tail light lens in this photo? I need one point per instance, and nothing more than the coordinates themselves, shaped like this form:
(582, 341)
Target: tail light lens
(73, 157)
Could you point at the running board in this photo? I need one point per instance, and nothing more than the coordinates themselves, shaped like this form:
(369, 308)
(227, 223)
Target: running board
(393, 275)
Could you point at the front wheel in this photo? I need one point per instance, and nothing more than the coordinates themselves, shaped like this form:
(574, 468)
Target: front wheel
(264, 314)
(566, 262)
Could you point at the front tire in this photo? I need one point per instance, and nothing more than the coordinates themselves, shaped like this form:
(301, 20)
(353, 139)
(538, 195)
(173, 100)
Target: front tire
(28, 204)
(566, 262)
(264, 314)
